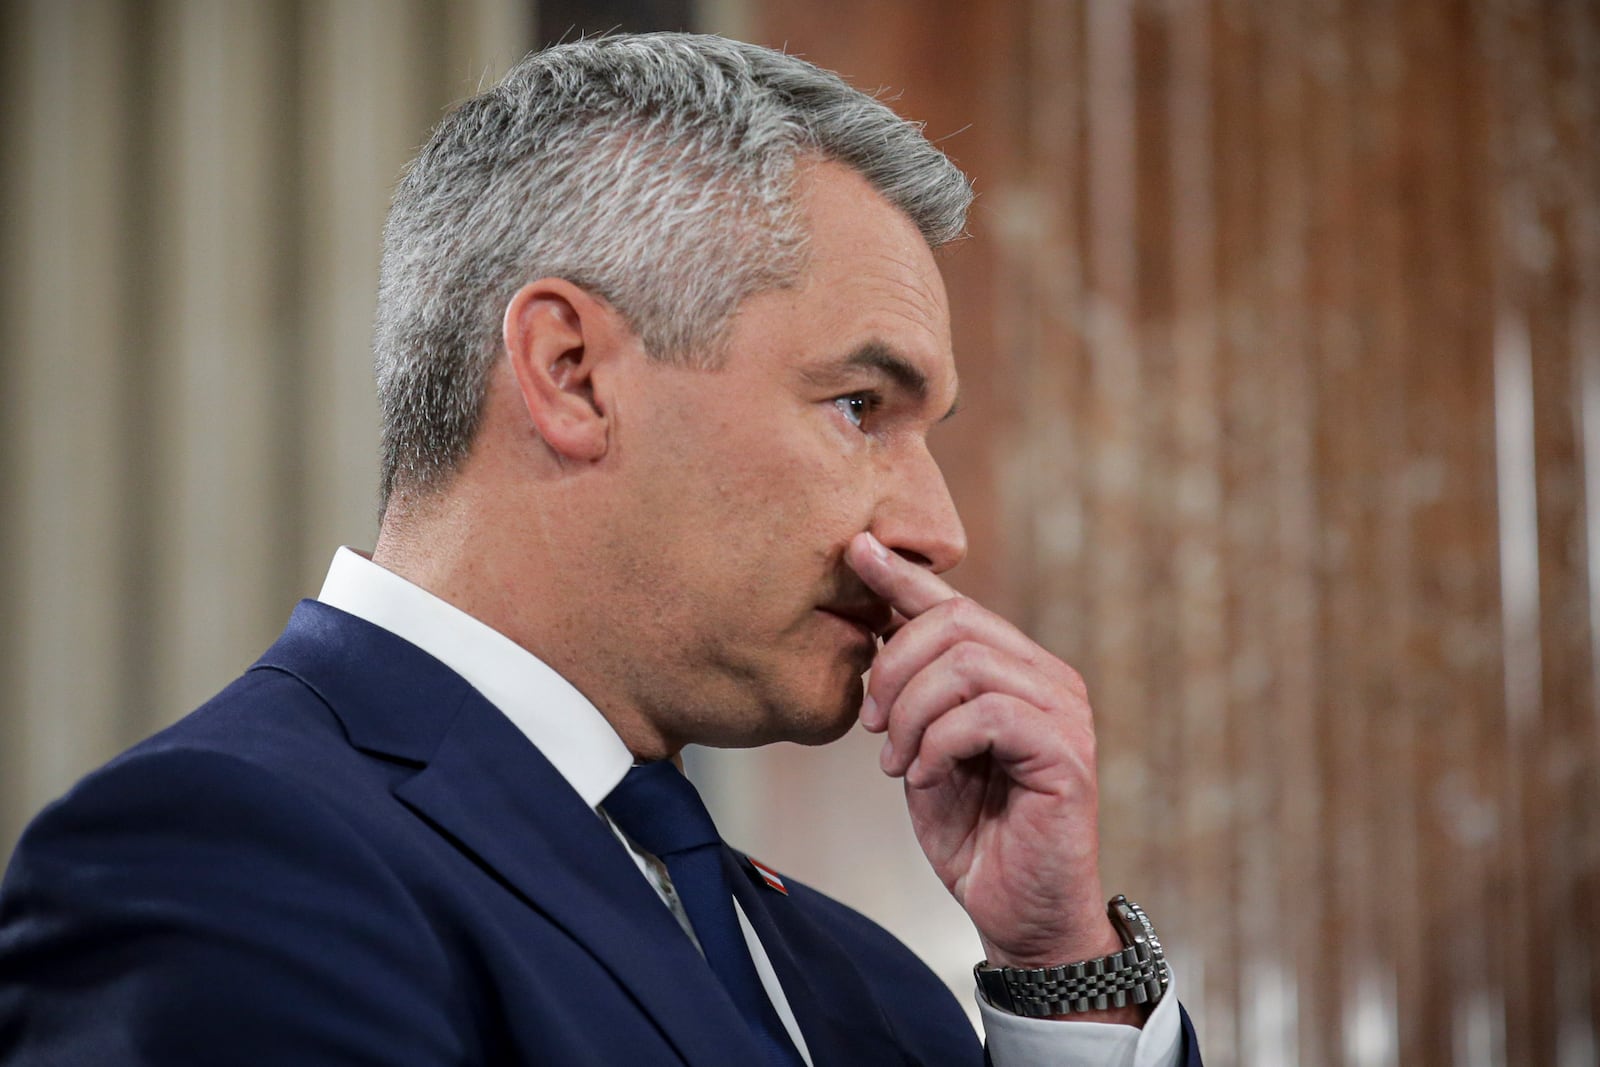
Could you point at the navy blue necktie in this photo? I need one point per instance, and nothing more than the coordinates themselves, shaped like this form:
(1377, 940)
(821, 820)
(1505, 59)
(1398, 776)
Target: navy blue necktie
(659, 808)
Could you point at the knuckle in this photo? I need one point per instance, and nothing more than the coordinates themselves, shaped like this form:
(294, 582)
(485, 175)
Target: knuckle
(881, 686)
(942, 742)
(887, 677)
(968, 657)
(963, 612)
(993, 706)
(933, 737)
(899, 727)
(953, 615)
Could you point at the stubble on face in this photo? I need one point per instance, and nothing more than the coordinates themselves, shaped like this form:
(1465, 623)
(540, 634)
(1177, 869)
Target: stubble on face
(736, 570)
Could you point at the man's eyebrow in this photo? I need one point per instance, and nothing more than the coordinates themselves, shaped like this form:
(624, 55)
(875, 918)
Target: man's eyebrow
(877, 356)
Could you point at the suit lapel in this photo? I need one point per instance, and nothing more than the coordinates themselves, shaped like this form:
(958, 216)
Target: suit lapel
(490, 790)
(485, 786)
(836, 1010)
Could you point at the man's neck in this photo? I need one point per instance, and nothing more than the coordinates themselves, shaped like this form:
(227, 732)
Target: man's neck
(440, 551)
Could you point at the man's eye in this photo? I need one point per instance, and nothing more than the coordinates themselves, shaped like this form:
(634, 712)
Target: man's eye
(856, 407)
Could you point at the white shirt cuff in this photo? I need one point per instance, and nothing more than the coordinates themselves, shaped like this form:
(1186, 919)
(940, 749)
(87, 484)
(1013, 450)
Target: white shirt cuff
(1017, 1041)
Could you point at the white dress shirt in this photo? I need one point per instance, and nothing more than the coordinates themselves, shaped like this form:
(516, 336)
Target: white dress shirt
(578, 741)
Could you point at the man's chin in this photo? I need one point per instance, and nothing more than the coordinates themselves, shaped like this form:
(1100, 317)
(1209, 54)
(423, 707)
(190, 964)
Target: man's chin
(827, 724)
(810, 723)
(826, 733)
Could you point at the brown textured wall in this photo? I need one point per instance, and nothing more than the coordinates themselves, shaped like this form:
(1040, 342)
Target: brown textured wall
(1280, 341)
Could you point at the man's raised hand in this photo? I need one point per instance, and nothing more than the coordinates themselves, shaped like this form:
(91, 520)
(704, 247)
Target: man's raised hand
(994, 739)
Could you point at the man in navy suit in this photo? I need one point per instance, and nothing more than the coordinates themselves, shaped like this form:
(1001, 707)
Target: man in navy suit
(660, 340)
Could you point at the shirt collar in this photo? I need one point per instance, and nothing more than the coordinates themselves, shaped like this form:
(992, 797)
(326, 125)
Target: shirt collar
(550, 712)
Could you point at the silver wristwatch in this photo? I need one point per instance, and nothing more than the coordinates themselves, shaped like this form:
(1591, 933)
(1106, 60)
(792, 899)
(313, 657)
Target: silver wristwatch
(1137, 975)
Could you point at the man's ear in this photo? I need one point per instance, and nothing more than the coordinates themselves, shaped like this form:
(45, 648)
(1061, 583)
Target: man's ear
(557, 336)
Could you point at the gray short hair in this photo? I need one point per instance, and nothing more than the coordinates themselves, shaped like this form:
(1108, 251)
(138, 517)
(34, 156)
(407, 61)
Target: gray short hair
(655, 171)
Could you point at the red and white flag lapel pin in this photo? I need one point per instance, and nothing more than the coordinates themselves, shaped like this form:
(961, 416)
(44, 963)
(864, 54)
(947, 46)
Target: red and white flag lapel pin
(768, 875)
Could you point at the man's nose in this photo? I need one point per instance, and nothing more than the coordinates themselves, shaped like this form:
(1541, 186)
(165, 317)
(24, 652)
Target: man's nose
(917, 518)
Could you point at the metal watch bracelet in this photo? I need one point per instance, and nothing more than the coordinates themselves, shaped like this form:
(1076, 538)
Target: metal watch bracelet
(1138, 975)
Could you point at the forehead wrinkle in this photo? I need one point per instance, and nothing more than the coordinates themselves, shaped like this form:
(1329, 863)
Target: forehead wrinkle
(903, 283)
(918, 307)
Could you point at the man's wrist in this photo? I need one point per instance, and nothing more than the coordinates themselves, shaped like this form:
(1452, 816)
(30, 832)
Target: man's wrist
(1098, 938)
(1120, 985)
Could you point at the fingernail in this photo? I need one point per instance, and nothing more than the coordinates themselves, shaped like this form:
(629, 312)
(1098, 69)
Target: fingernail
(869, 712)
(877, 547)
(886, 757)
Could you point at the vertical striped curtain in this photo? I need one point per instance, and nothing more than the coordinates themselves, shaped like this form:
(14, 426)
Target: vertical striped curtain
(193, 195)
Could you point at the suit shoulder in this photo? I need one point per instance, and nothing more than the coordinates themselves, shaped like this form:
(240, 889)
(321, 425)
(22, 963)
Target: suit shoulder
(267, 728)
(185, 892)
(164, 808)
(261, 706)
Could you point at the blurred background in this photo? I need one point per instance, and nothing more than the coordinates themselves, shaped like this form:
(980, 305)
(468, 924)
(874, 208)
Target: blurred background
(1279, 332)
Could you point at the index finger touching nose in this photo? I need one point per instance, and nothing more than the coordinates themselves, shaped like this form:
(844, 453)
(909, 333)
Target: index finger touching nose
(910, 589)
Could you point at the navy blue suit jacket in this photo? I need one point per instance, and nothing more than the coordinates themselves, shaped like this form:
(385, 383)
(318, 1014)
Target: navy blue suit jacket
(348, 856)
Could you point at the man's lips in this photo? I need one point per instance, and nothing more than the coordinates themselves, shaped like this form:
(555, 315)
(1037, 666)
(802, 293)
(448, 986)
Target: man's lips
(873, 617)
